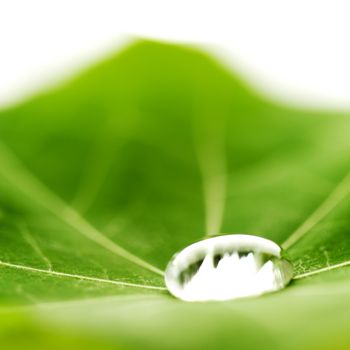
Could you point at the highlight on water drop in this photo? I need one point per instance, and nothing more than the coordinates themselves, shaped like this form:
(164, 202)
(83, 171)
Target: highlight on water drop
(228, 267)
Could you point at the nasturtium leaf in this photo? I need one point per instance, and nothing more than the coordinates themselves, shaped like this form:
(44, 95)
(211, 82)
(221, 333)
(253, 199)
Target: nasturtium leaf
(106, 176)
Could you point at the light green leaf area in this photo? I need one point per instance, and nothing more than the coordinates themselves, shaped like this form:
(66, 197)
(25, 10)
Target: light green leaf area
(105, 177)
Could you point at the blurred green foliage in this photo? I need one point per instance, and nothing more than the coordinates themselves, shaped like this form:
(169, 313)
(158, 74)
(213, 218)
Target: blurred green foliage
(109, 174)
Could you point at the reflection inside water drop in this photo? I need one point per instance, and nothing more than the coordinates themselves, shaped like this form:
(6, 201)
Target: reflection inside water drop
(227, 267)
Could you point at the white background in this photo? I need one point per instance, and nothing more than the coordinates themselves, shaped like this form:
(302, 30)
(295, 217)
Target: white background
(296, 51)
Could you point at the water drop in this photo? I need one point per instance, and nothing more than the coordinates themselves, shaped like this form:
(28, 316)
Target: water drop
(228, 267)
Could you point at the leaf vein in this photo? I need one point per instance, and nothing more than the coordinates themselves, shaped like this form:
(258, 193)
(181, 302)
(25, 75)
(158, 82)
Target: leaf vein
(79, 277)
(340, 192)
(20, 176)
(34, 244)
(324, 269)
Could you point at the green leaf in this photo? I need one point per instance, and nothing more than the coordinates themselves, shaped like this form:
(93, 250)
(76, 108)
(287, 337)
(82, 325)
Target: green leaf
(105, 177)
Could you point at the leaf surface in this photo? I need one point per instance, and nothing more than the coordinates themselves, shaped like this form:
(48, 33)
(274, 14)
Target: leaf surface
(106, 176)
